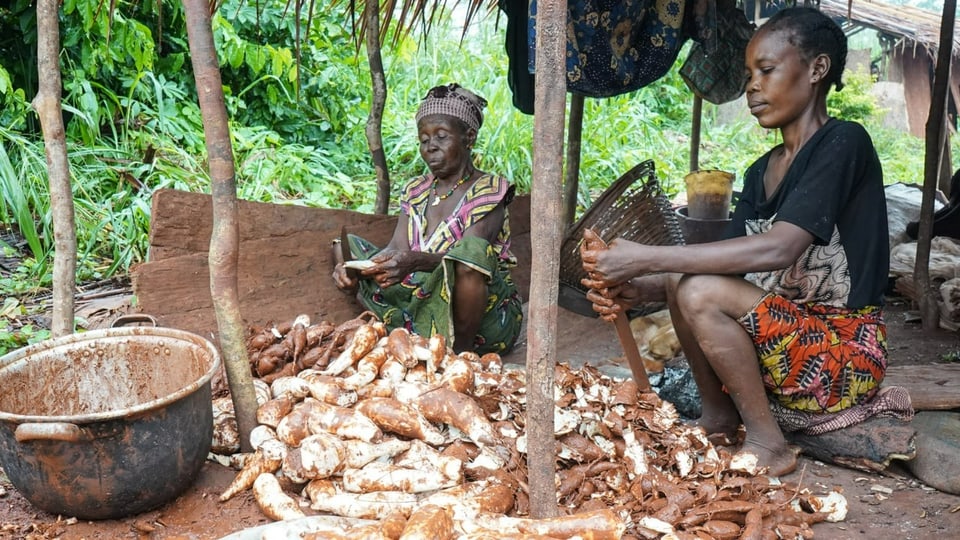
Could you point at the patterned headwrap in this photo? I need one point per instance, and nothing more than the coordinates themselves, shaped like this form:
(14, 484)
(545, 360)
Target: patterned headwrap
(456, 101)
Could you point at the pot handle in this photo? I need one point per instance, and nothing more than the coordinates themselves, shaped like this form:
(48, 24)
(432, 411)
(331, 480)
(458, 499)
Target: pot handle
(139, 319)
(55, 431)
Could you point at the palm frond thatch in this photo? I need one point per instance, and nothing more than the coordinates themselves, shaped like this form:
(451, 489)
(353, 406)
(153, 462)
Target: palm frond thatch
(400, 17)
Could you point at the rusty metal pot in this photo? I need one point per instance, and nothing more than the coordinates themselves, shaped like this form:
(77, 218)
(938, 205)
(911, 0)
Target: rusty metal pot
(107, 423)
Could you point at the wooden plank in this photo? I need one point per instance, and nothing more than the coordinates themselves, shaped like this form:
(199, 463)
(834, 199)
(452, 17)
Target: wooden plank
(283, 269)
(931, 386)
(181, 222)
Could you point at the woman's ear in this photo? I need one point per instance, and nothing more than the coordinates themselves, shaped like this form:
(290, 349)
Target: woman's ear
(470, 137)
(820, 68)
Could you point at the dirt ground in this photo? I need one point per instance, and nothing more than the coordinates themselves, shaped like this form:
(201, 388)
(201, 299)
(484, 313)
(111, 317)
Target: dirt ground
(891, 505)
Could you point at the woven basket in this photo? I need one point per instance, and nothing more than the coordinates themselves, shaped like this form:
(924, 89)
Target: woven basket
(633, 207)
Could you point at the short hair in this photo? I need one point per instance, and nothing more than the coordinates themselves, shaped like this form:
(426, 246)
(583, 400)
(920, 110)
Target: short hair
(813, 33)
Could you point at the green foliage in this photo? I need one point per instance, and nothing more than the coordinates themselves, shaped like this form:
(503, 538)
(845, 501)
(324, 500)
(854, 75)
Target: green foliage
(854, 102)
(12, 339)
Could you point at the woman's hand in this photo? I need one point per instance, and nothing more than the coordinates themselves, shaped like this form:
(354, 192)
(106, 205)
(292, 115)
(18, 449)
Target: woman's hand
(610, 302)
(618, 263)
(344, 280)
(391, 266)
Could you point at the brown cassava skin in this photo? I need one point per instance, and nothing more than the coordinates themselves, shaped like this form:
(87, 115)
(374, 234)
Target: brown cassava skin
(396, 417)
(271, 499)
(400, 347)
(342, 421)
(392, 526)
(596, 525)
(721, 530)
(429, 522)
(254, 467)
(273, 411)
(445, 406)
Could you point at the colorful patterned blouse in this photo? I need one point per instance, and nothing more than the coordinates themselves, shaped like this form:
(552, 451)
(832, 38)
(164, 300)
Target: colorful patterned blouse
(485, 194)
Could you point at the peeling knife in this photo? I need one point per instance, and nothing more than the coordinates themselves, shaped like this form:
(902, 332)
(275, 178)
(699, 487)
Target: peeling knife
(345, 253)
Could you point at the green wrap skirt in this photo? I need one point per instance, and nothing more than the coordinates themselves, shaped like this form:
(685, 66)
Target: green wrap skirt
(421, 302)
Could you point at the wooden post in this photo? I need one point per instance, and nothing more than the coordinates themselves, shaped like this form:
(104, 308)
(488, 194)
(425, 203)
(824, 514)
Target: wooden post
(225, 236)
(935, 137)
(571, 184)
(374, 127)
(48, 107)
(546, 225)
(695, 133)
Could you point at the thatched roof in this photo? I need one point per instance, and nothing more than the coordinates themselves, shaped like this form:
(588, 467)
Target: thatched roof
(913, 26)
(399, 18)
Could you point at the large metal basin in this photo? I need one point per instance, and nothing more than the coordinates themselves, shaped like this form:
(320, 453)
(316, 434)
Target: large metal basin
(107, 423)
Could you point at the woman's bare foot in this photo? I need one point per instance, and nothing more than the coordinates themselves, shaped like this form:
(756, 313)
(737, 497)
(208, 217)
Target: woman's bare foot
(777, 462)
(720, 431)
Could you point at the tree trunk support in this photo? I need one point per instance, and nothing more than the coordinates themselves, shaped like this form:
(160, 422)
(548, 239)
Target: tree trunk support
(547, 227)
(935, 138)
(374, 127)
(224, 239)
(571, 184)
(48, 107)
(695, 133)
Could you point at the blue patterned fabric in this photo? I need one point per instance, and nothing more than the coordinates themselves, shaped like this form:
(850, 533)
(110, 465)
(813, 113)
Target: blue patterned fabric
(617, 46)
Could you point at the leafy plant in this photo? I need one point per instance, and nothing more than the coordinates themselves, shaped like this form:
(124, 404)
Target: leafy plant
(854, 102)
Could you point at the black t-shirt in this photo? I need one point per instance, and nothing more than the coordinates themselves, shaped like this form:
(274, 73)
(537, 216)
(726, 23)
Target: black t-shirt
(834, 190)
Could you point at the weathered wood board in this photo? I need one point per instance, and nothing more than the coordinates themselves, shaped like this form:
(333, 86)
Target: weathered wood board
(284, 262)
(931, 386)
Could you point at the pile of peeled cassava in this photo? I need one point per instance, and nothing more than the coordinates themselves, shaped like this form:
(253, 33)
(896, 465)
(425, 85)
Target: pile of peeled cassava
(391, 435)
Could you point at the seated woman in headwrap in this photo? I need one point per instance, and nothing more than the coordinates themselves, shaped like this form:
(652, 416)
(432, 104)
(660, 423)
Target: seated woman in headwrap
(446, 269)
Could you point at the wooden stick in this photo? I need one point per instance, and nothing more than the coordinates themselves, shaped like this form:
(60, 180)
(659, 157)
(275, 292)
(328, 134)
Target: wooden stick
(632, 352)
(592, 240)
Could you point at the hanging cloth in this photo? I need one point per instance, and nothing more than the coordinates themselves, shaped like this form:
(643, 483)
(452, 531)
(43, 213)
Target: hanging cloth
(720, 75)
(519, 77)
(617, 46)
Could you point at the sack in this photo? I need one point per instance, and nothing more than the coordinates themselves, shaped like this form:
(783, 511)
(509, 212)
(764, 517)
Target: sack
(720, 76)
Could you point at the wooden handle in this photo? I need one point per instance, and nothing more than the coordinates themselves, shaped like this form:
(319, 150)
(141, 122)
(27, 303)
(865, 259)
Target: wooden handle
(632, 352)
(592, 240)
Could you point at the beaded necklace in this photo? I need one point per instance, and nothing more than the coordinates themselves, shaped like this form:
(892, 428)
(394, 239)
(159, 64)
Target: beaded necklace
(437, 197)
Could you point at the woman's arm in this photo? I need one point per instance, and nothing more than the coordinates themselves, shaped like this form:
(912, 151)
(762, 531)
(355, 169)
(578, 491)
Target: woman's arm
(775, 249)
(489, 226)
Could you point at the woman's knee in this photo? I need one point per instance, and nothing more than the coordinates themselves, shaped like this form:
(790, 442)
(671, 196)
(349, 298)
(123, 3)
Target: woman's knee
(698, 293)
(706, 294)
(467, 275)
